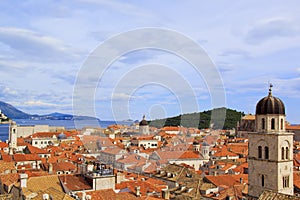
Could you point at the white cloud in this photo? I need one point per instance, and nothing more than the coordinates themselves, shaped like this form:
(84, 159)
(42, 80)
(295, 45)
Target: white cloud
(35, 45)
(271, 28)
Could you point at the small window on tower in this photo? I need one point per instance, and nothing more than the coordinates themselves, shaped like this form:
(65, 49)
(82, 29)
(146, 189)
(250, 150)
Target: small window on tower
(266, 152)
(263, 180)
(281, 124)
(263, 123)
(287, 153)
(272, 123)
(285, 181)
(259, 152)
(282, 153)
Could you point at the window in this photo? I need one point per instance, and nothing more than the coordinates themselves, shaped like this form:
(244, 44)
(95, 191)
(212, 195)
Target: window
(263, 123)
(266, 152)
(263, 180)
(285, 181)
(272, 123)
(259, 152)
(35, 142)
(282, 153)
(281, 124)
(287, 153)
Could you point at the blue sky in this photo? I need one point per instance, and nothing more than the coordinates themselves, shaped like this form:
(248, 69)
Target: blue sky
(44, 44)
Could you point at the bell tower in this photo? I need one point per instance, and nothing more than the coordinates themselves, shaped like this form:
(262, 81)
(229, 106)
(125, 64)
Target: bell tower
(270, 155)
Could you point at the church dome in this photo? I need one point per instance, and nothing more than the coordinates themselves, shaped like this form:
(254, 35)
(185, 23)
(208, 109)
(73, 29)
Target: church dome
(144, 122)
(62, 136)
(270, 105)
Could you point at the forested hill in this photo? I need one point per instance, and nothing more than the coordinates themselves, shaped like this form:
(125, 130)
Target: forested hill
(203, 119)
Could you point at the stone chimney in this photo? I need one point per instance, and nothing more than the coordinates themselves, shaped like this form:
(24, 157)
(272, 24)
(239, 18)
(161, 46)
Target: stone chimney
(23, 180)
(241, 180)
(138, 191)
(50, 170)
(165, 193)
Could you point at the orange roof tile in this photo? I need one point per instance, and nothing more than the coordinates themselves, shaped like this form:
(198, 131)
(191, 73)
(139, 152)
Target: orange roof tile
(228, 180)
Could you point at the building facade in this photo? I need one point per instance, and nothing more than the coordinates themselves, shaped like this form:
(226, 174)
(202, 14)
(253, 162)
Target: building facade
(270, 155)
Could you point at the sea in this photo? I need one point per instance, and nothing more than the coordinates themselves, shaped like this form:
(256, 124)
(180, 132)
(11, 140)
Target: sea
(68, 124)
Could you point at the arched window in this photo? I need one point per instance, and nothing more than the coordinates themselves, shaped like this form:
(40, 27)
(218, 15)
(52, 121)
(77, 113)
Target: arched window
(259, 152)
(287, 153)
(263, 123)
(272, 123)
(281, 124)
(266, 152)
(263, 180)
(282, 153)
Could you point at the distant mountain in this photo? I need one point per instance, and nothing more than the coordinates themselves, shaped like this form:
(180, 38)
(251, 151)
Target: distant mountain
(202, 119)
(13, 113)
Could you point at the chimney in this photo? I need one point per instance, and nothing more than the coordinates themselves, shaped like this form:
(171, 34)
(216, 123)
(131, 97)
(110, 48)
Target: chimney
(50, 170)
(83, 196)
(165, 193)
(23, 180)
(138, 191)
(241, 180)
(46, 197)
(88, 197)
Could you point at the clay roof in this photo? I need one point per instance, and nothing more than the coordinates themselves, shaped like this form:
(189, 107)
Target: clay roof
(36, 150)
(292, 127)
(268, 194)
(9, 179)
(6, 166)
(26, 157)
(41, 183)
(3, 145)
(223, 152)
(53, 193)
(228, 180)
(44, 135)
(75, 182)
(110, 194)
(132, 158)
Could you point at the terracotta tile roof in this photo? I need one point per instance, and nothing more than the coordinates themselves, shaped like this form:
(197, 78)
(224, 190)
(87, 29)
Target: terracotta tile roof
(75, 182)
(236, 192)
(6, 157)
(228, 180)
(292, 127)
(111, 195)
(241, 168)
(6, 166)
(53, 193)
(268, 194)
(21, 142)
(297, 179)
(114, 151)
(249, 117)
(44, 135)
(132, 158)
(238, 148)
(223, 152)
(190, 155)
(41, 183)
(9, 179)
(36, 150)
(26, 157)
(3, 145)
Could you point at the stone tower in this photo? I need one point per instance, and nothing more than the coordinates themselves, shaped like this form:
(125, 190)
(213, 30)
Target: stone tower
(12, 137)
(270, 155)
(144, 127)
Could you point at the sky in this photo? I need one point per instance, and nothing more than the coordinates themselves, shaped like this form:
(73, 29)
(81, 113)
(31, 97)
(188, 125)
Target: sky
(52, 56)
